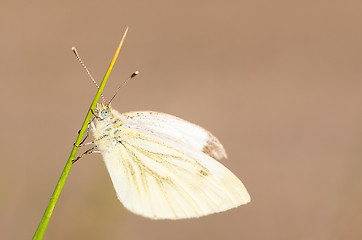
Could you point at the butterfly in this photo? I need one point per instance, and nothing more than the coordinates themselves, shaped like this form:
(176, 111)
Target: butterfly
(163, 167)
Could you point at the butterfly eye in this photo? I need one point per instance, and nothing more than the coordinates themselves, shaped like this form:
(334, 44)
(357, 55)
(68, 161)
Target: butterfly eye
(105, 113)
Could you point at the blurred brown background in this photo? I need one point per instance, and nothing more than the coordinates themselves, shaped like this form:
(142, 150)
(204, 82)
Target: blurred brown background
(279, 83)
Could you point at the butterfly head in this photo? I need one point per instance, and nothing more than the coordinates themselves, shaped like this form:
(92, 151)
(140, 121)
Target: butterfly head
(102, 111)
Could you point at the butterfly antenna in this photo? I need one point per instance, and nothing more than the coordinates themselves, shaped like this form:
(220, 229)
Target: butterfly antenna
(86, 69)
(123, 83)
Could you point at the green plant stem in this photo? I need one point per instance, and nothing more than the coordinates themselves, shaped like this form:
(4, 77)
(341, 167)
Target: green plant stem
(39, 233)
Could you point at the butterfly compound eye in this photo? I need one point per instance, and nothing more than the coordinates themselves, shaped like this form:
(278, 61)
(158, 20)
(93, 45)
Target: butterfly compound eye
(105, 113)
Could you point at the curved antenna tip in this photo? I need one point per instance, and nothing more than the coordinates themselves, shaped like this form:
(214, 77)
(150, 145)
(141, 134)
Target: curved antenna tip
(134, 74)
(75, 52)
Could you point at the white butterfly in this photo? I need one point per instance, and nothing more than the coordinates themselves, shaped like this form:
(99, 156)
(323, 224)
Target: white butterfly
(163, 167)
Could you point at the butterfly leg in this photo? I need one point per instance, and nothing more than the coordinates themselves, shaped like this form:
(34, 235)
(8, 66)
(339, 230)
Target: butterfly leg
(92, 142)
(89, 151)
(86, 136)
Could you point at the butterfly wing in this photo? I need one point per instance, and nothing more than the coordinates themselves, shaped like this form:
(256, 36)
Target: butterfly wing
(159, 176)
(167, 126)
(157, 180)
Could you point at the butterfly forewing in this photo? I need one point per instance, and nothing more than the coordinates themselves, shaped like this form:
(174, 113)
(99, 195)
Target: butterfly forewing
(159, 168)
(180, 130)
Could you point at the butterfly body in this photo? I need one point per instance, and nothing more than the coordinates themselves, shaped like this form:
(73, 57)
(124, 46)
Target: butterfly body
(163, 167)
